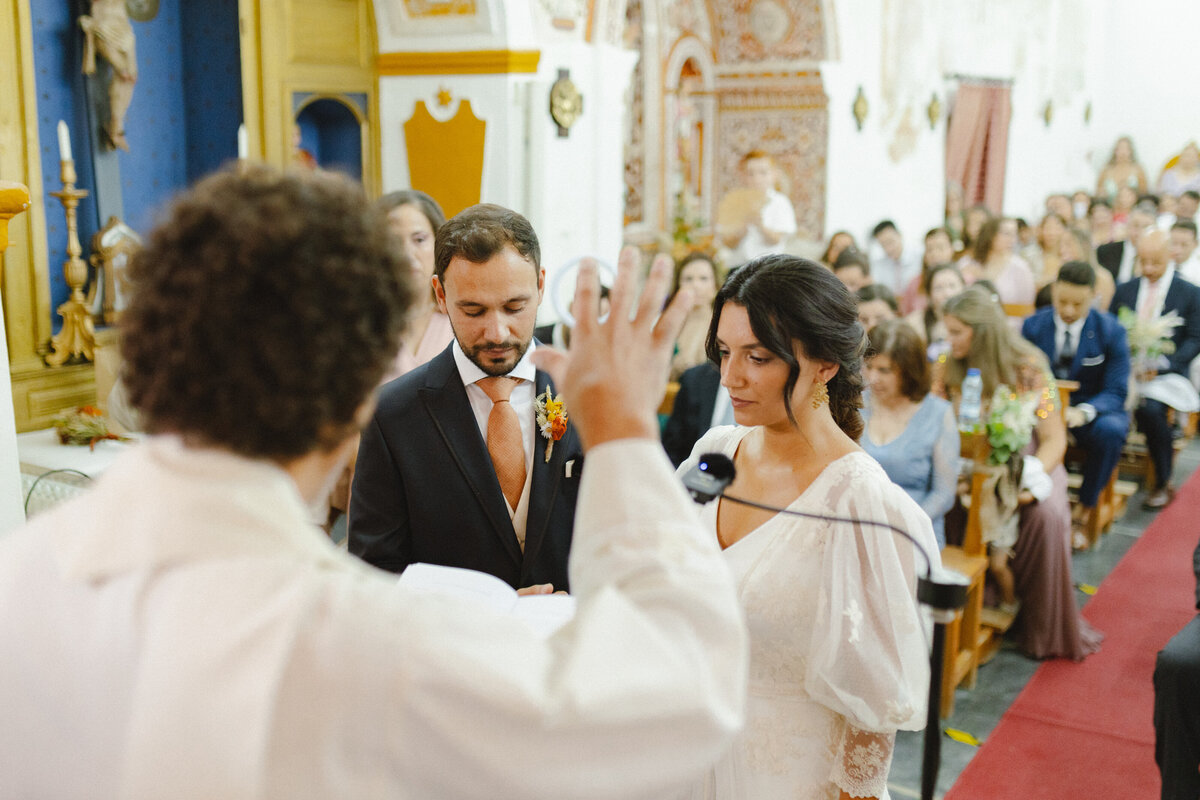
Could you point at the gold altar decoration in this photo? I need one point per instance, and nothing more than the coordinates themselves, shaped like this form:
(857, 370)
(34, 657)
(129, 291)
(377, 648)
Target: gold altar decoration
(566, 103)
(1048, 112)
(445, 159)
(14, 198)
(77, 339)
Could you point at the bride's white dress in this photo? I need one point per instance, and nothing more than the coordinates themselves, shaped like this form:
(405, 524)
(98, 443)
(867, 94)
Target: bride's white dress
(838, 654)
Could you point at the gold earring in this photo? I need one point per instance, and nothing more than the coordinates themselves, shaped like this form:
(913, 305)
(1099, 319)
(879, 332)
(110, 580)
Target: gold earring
(820, 395)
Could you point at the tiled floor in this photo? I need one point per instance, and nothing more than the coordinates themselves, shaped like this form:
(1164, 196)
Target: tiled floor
(977, 711)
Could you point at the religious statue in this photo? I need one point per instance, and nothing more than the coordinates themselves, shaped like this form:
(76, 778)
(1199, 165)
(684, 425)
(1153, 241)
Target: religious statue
(108, 30)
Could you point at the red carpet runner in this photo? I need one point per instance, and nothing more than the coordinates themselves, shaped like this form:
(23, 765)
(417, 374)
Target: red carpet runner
(1086, 730)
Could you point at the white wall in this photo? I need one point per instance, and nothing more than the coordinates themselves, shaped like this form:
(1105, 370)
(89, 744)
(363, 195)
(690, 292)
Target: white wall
(1132, 62)
(1149, 81)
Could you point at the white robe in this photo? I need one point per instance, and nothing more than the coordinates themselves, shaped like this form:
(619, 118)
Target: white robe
(182, 631)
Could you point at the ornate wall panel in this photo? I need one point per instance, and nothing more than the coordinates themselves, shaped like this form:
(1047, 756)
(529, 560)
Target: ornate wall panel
(768, 30)
(787, 118)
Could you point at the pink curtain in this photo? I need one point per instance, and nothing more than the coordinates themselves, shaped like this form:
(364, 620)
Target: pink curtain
(977, 142)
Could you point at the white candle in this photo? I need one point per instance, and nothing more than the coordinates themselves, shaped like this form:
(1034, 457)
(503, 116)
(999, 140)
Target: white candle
(243, 143)
(64, 142)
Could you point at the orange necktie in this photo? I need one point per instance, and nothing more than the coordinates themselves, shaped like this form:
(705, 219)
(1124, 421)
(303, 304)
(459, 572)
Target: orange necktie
(504, 437)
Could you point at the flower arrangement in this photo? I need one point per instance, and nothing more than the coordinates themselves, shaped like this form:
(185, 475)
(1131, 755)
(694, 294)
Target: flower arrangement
(1009, 423)
(551, 419)
(1149, 339)
(84, 425)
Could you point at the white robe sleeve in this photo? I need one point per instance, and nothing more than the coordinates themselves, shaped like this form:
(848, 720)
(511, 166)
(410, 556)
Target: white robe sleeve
(868, 659)
(633, 698)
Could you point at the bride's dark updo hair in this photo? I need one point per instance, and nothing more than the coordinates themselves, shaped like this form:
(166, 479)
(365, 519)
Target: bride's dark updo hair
(792, 300)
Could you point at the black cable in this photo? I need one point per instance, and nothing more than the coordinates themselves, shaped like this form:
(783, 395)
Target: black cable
(38, 480)
(892, 528)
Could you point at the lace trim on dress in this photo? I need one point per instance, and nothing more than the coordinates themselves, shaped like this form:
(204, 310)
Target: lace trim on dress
(862, 763)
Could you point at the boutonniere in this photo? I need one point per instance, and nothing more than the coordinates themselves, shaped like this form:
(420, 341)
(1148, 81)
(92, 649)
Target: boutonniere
(551, 419)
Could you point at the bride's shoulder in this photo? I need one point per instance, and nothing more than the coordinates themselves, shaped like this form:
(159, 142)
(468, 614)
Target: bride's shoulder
(723, 439)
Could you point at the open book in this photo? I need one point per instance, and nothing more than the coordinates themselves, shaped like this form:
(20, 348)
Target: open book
(544, 613)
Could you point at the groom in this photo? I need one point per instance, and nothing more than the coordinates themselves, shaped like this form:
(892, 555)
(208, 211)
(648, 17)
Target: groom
(454, 469)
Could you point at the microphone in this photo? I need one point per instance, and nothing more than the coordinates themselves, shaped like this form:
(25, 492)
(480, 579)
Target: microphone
(708, 479)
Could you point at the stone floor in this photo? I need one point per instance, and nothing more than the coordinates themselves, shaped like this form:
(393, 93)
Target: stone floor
(977, 710)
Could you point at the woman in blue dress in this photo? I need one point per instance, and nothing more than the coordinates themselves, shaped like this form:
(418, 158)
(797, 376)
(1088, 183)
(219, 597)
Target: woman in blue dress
(909, 431)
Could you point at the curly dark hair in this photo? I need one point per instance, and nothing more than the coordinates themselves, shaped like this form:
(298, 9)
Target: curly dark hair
(793, 300)
(266, 306)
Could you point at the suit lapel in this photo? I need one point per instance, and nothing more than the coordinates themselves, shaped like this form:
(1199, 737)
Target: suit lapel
(446, 402)
(546, 477)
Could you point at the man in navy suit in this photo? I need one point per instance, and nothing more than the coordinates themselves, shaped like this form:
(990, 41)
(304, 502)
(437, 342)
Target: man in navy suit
(1160, 291)
(1090, 347)
(428, 485)
(700, 404)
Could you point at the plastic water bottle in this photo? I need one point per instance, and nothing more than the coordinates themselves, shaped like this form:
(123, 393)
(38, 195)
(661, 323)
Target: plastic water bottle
(969, 404)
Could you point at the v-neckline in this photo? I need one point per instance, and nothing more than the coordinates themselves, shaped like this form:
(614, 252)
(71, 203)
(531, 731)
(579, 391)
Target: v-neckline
(777, 514)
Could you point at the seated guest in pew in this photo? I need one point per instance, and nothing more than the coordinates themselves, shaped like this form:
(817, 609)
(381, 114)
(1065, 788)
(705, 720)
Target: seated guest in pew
(940, 284)
(181, 630)
(993, 258)
(1048, 624)
(701, 403)
(1157, 293)
(876, 303)
(1177, 708)
(911, 432)
(1091, 348)
(698, 273)
(853, 269)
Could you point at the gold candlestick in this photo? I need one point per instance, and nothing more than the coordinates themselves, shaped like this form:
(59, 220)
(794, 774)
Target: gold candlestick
(77, 339)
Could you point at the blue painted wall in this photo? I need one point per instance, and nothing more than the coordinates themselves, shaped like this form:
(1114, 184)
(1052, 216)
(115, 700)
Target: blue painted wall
(181, 124)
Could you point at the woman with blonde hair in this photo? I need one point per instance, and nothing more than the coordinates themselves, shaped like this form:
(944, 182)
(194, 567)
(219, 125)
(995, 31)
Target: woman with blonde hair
(1035, 568)
(1076, 245)
(1122, 170)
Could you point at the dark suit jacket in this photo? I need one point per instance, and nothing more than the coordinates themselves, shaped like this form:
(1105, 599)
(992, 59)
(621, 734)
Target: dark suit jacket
(692, 414)
(1109, 256)
(425, 489)
(1184, 299)
(1101, 363)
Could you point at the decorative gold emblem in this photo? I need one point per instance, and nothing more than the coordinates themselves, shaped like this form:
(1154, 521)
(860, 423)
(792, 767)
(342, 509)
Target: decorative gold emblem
(566, 103)
(934, 111)
(1048, 112)
(859, 108)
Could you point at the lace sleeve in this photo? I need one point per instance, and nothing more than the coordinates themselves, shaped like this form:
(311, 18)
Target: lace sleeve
(944, 481)
(862, 763)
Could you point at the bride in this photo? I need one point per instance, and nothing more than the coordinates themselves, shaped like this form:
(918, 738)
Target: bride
(838, 652)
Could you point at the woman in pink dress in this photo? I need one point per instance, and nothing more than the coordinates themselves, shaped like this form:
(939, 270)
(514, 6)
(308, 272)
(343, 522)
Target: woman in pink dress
(993, 258)
(415, 218)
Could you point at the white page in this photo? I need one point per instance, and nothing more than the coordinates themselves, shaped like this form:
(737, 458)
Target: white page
(544, 613)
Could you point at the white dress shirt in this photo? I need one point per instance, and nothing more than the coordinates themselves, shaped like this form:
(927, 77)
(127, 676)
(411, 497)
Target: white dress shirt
(521, 400)
(1060, 331)
(779, 216)
(180, 630)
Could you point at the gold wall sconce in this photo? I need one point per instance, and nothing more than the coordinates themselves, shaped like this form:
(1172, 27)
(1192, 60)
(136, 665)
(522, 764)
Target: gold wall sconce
(1048, 112)
(859, 108)
(934, 111)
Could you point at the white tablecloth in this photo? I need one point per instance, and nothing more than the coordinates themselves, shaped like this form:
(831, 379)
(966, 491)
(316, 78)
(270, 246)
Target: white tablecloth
(41, 455)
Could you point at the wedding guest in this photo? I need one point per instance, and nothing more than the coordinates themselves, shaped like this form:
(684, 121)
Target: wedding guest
(769, 222)
(1122, 170)
(1158, 292)
(1100, 222)
(414, 217)
(876, 303)
(911, 432)
(699, 275)
(853, 269)
(700, 404)
(973, 222)
(993, 259)
(1076, 246)
(1188, 205)
(941, 283)
(892, 264)
(1184, 176)
(838, 242)
(181, 630)
(1039, 557)
(1043, 258)
(1088, 346)
(939, 249)
(828, 689)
